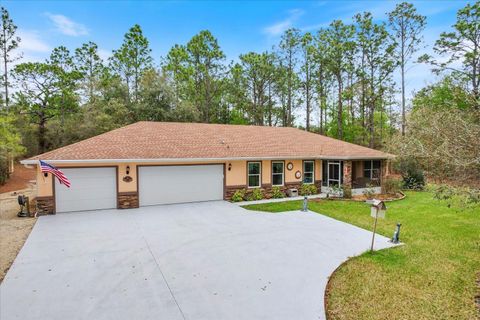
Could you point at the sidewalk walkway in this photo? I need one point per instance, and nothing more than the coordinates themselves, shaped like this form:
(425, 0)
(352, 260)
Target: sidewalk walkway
(246, 203)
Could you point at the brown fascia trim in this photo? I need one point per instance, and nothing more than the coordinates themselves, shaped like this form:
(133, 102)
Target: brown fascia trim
(194, 160)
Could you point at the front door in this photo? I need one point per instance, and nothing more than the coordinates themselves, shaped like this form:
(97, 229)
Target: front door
(334, 173)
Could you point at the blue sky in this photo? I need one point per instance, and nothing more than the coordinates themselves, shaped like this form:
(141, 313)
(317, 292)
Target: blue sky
(240, 26)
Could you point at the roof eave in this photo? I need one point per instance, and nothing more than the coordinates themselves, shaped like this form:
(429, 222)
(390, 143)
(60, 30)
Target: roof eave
(170, 160)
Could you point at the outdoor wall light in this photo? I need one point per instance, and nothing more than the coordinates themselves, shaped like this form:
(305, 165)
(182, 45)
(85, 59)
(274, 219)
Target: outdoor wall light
(229, 166)
(45, 174)
(128, 170)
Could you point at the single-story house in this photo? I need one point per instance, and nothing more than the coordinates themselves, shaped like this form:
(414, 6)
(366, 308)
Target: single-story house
(151, 163)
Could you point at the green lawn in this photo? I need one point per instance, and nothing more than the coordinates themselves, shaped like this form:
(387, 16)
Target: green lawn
(433, 276)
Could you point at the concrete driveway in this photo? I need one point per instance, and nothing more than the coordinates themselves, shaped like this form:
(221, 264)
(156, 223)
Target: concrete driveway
(211, 260)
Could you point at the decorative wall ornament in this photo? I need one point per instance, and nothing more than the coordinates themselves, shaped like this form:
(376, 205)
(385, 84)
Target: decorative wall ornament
(289, 166)
(127, 179)
(298, 174)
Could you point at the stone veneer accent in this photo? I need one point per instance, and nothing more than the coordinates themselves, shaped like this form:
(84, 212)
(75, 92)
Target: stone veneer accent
(45, 205)
(347, 179)
(230, 190)
(266, 189)
(127, 200)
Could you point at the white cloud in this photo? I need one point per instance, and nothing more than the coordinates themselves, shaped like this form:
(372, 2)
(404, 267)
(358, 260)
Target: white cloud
(104, 54)
(31, 41)
(279, 27)
(67, 26)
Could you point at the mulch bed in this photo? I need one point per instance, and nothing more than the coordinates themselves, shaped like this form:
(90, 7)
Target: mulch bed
(383, 197)
(19, 179)
(362, 198)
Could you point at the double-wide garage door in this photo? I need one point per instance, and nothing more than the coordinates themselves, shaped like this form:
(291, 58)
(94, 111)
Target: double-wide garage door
(96, 188)
(177, 184)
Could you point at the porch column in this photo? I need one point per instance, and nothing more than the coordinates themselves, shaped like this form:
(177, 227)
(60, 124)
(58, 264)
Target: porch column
(347, 179)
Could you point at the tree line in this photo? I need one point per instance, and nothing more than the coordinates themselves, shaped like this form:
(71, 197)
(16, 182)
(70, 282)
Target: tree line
(340, 77)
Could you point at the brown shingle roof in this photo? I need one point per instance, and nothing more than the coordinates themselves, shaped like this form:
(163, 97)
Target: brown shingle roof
(169, 140)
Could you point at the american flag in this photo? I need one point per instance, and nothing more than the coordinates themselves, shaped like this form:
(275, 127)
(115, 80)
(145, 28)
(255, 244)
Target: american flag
(45, 167)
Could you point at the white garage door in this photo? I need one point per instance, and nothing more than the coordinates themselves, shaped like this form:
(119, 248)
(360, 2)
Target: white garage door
(91, 189)
(177, 184)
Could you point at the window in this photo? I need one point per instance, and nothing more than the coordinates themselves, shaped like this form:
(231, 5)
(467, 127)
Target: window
(254, 172)
(308, 171)
(277, 173)
(371, 169)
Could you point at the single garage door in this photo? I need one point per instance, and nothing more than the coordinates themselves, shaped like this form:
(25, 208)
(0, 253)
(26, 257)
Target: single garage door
(91, 189)
(177, 184)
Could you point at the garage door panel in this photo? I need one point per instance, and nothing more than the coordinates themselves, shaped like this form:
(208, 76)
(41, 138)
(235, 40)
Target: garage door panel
(81, 205)
(91, 189)
(76, 192)
(177, 184)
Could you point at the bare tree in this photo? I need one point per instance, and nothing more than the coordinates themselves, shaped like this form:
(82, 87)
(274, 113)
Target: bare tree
(407, 26)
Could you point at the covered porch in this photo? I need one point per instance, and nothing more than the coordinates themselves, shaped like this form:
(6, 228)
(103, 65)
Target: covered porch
(353, 176)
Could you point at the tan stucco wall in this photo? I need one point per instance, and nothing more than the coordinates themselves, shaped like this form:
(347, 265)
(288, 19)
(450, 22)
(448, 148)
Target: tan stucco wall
(122, 172)
(236, 176)
(44, 184)
(318, 169)
(290, 174)
(266, 172)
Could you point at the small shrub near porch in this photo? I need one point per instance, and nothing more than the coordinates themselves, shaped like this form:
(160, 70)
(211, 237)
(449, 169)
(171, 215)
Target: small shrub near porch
(238, 196)
(277, 193)
(308, 189)
(256, 194)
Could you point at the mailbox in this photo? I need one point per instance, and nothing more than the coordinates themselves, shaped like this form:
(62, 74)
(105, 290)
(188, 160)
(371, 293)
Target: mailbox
(378, 209)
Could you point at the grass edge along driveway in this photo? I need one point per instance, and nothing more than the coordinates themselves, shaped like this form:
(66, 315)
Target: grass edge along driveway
(433, 276)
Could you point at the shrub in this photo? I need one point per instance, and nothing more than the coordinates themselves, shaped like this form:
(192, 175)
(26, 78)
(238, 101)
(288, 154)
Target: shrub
(335, 191)
(256, 194)
(347, 192)
(472, 196)
(308, 189)
(457, 196)
(393, 185)
(277, 193)
(369, 191)
(238, 195)
(412, 174)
